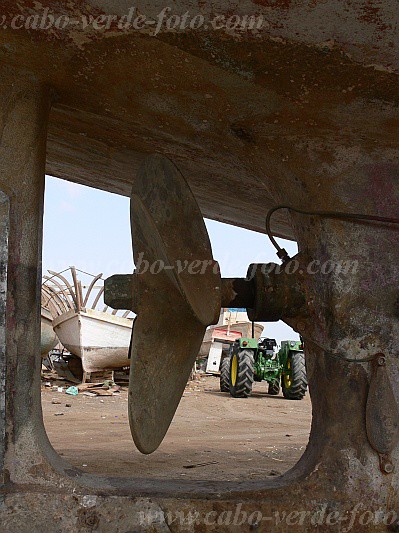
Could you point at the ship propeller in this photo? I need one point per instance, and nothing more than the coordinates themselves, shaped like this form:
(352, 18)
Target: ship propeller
(176, 291)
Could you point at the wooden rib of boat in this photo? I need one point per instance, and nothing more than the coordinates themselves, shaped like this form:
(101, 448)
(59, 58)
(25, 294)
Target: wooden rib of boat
(100, 338)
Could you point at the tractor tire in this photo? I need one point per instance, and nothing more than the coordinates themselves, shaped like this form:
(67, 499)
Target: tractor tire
(295, 384)
(274, 387)
(225, 375)
(241, 376)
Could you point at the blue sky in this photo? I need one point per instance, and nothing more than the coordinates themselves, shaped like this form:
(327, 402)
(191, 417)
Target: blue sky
(90, 229)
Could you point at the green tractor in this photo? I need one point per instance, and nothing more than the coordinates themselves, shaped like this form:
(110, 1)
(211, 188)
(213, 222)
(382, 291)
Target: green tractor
(250, 360)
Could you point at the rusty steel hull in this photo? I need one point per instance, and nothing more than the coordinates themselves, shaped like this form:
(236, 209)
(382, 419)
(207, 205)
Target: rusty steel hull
(243, 116)
(306, 114)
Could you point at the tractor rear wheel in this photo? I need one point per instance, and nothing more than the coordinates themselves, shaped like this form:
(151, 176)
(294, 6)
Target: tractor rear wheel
(225, 375)
(241, 374)
(274, 387)
(294, 381)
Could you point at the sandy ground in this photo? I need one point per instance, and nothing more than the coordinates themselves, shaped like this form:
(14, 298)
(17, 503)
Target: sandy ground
(241, 438)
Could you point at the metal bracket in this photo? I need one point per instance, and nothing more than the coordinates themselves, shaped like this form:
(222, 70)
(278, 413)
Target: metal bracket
(382, 414)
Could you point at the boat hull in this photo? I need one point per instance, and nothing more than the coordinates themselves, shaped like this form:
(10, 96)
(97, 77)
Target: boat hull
(244, 329)
(100, 340)
(48, 337)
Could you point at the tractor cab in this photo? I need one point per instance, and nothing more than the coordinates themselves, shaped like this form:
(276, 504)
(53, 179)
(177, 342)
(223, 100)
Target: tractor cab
(268, 346)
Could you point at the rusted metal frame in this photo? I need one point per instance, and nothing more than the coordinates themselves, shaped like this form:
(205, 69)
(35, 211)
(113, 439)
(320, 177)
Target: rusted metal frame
(24, 111)
(382, 414)
(4, 231)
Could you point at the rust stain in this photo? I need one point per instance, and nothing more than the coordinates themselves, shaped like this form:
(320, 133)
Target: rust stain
(371, 14)
(380, 187)
(278, 4)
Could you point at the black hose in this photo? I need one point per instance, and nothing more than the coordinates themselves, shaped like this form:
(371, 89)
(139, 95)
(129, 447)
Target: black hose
(352, 217)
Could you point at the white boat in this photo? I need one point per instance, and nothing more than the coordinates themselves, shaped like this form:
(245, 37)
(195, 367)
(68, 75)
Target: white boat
(232, 325)
(100, 339)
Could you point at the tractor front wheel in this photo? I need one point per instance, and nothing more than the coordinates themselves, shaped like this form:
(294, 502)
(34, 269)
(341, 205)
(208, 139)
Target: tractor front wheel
(241, 374)
(225, 375)
(274, 387)
(294, 381)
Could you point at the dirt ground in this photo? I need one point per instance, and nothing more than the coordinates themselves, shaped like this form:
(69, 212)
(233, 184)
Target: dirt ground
(238, 438)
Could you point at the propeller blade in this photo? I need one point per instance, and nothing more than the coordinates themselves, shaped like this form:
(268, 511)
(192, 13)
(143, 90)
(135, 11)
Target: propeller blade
(179, 295)
(163, 353)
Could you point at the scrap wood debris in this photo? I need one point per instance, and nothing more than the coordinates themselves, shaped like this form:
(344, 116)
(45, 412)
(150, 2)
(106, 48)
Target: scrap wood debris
(201, 464)
(106, 388)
